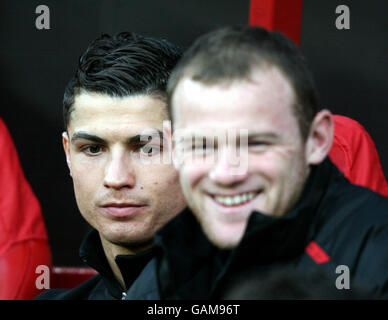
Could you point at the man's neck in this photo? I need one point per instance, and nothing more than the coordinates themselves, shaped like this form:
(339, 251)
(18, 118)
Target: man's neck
(112, 250)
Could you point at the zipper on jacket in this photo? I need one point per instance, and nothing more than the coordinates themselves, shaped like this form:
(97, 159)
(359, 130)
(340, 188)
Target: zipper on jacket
(123, 295)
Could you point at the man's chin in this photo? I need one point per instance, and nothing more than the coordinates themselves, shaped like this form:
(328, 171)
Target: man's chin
(224, 241)
(131, 241)
(224, 234)
(224, 245)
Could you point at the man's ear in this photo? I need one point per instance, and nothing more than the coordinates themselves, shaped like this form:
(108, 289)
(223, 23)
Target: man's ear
(66, 147)
(320, 138)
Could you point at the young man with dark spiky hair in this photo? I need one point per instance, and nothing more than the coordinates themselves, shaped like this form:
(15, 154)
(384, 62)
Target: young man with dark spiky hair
(118, 94)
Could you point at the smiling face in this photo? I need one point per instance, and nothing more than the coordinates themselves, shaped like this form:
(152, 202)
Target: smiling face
(120, 194)
(276, 169)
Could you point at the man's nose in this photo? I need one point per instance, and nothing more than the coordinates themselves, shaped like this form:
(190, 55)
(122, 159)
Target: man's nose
(229, 169)
(119, 172)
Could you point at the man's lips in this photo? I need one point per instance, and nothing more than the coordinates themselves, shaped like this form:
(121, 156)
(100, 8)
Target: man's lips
(122, 204)
(121, 210)
(235, 199)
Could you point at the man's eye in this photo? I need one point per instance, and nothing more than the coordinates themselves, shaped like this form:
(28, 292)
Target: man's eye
(258, 145)
(92, 150)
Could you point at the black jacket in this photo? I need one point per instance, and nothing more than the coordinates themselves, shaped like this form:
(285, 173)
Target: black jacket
(104, 285)
(334, 223)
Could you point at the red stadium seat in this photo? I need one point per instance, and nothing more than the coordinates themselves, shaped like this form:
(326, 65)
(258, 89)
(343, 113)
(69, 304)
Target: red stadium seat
(17, 269)
(355, 154)
(23, 237)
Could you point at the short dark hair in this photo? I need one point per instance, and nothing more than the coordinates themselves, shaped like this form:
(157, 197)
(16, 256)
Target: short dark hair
(231, 53)
(122, 65)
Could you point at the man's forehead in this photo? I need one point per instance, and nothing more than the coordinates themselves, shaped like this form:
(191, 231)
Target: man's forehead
(266, 91)
(116, 118)
(93, 107)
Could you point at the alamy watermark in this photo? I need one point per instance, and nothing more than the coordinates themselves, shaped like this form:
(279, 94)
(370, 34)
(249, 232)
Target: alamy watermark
(343, 20)
(42, 21)
(343, 280)
(43, 280)
(206, 147)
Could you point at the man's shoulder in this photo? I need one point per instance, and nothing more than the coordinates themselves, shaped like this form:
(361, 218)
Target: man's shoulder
(352, 215)
(81, 292)
(353, 231)
(355, 202)
(53, 294)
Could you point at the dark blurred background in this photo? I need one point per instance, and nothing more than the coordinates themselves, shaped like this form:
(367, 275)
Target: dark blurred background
(350, 67)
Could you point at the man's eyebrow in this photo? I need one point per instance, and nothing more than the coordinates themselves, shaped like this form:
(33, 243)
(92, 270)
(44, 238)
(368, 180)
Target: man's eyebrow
(250, 135)
(140, 137)
(261, 135)
(86, 136)
(135, 139)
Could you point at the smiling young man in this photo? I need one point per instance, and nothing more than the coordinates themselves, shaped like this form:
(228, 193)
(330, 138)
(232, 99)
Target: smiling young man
(243, 95)
(114, 108)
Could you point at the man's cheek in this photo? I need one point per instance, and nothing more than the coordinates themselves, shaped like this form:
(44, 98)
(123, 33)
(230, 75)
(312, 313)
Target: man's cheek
(83, 190)
(193, 173)
(266, 165)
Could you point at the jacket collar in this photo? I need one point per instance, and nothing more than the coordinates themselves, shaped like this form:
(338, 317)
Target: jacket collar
(188, 260)
(183, 252)
(281, 238)
(92, 253)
